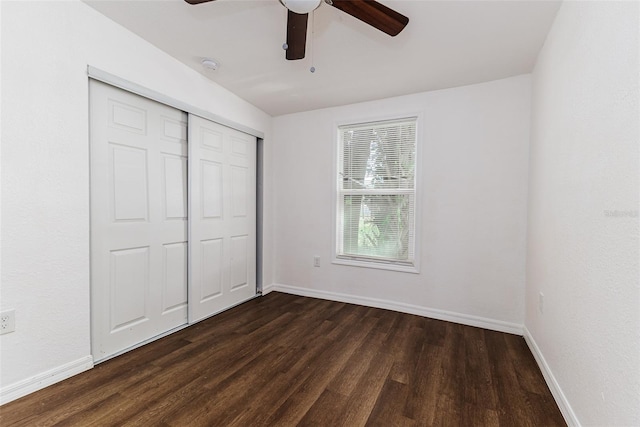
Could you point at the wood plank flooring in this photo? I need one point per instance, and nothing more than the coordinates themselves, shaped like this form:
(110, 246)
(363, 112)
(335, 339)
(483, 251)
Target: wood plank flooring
(284, 360)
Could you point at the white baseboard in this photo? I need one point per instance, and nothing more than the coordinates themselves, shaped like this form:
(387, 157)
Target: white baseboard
(556, 391)
(464, 319)
(22, 388)
(267, 289)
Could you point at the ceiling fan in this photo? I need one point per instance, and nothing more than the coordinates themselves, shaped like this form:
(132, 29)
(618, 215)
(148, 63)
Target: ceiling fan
(369, 11)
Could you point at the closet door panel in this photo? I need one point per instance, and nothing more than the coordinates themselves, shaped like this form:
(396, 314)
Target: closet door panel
(138, 219)
(222, 235)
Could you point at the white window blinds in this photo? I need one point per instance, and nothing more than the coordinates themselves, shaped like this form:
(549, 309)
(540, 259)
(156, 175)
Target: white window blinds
(376, 191)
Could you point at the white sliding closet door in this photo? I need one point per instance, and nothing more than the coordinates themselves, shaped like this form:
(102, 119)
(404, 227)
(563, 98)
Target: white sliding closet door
(222, 202)
(138, 219)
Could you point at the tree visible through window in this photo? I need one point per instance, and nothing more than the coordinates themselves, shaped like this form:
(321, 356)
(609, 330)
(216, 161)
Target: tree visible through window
(376, 191)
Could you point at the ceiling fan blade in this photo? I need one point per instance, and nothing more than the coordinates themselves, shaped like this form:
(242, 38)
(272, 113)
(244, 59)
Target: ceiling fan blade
(296, 35)
(197, 1)
(375, 14)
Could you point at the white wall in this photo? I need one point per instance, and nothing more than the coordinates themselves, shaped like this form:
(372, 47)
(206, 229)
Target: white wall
(474, 150)
(584, 163)
(46, 47)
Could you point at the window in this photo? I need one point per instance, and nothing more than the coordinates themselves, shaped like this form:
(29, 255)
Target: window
(376, 194)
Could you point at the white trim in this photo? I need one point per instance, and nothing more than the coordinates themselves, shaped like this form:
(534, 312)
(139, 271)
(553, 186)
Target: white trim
(373, 263)
(113, 80)
(267, 289)
(432, 313)
(561, 400)
(22, 388)
(417, 243)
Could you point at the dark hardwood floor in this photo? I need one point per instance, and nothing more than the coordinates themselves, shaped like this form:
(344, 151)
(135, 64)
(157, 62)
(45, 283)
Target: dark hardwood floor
(285, 360)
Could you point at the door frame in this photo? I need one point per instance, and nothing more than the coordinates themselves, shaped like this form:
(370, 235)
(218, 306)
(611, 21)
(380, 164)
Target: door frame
(118, 82)
(113, 80)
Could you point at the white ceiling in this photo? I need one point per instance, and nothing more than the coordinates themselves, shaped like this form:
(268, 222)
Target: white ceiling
(446, 44)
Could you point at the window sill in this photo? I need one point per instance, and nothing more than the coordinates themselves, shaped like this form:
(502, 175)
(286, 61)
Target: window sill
(377, 265)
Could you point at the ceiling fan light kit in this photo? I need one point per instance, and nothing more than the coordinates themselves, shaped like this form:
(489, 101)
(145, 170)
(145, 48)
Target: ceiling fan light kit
(301, 6)
(370, 12)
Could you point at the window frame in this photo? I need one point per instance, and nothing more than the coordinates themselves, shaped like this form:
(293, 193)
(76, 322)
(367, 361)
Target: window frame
(360, 260)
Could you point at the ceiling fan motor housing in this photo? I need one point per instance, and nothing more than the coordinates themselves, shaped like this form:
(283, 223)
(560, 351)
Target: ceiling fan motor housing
(370, 12)
(301, 6)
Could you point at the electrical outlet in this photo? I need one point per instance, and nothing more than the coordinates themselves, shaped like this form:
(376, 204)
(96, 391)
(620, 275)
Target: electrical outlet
(7, 321)
(541, 303)
(316, 261)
